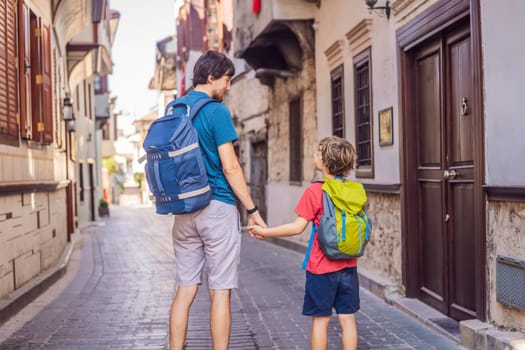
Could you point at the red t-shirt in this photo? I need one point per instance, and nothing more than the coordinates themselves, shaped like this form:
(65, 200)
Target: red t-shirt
(310, 207)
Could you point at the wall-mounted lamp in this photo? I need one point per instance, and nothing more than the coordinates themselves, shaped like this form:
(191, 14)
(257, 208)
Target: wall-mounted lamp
(385, 10)
(67, 108)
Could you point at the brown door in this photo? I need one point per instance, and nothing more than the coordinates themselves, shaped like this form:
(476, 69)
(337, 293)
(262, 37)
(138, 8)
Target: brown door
(91, 171)
(443, 89)
(70, 210)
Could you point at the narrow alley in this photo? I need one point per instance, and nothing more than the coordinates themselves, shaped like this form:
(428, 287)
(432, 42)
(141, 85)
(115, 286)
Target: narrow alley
(117, 291)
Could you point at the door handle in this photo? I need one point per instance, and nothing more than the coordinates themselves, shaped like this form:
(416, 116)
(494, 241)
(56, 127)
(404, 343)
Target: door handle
(464, 107)
(449, 174)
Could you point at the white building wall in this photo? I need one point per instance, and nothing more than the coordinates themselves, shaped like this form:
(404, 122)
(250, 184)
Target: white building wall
(504, 87)
(86, 137)
(33, 231)
(332, 25)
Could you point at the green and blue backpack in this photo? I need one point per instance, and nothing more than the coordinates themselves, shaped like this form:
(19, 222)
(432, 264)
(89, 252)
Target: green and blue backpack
(344, 229)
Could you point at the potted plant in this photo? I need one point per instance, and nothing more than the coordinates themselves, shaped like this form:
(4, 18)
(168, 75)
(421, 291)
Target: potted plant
(103, 207)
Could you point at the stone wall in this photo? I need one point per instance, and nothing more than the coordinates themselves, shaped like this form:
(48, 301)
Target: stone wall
(383, 252)
(505, 236)
(33, 235)
(279, 129)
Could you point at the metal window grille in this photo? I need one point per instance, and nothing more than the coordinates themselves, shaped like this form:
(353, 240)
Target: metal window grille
(337, 102)
(362, 90)
(510, 282)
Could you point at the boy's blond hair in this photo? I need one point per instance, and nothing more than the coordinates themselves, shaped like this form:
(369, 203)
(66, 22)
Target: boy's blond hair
(338, 155)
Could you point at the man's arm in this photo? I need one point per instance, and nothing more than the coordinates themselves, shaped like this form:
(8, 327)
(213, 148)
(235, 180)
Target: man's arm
(235, 177)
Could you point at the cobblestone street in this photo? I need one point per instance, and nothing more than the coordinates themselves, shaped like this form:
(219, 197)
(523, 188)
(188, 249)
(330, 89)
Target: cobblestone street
(118, 289)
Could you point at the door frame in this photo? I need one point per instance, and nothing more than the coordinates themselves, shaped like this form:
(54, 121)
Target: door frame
(437, 17)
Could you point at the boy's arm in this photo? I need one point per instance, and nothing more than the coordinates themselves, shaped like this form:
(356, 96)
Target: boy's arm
(291, 229)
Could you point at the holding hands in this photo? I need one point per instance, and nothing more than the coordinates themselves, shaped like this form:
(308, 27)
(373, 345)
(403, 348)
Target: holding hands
(256, 221)
(291, 229)
(257, 231)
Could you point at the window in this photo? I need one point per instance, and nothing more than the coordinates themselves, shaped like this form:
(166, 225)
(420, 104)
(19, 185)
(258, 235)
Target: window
(296, 141)
(36, 85)
(101, 85)
(338, 114)
(85, 90)
(90, 107)
(105, 132)
(26, 96)
(363, 120)
(77, 97)
(81, 181)
(8, 75)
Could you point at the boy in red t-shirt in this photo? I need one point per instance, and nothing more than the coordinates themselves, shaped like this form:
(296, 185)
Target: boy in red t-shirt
(329, 283)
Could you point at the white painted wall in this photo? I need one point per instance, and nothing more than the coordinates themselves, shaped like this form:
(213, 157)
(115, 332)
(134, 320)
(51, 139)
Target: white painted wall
(504, 89)
(331, 25)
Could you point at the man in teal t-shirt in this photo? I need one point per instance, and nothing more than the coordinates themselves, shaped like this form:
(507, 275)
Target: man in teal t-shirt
(215, 127)
(211, 236)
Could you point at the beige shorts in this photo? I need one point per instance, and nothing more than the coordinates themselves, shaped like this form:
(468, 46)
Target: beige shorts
(209, 238)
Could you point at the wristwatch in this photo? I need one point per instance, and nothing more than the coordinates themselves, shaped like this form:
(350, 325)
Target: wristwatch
(252, 211)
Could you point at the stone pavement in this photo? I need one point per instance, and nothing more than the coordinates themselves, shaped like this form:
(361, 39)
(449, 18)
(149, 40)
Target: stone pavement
(117, 292)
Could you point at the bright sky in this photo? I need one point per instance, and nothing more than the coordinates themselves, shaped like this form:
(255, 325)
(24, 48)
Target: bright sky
(142, 24)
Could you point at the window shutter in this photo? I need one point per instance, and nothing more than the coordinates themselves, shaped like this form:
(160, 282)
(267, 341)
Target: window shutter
(8, 69)
(47, 95)
(25, 72)
(37, 125)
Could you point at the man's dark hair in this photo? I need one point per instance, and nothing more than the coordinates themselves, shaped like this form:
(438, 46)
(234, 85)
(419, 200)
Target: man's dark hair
(212, 63)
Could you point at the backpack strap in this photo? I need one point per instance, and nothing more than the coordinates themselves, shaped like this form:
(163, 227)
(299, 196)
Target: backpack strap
(190, 111)
(174, 104)
(312, 235)
(309, 249)
(199, 105)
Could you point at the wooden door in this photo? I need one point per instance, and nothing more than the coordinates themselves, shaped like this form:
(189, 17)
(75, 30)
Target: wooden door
(70, 210)
(91, 174)
(445, 168)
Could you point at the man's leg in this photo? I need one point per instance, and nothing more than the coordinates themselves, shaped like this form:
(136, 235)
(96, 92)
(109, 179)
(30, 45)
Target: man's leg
(319, 334)
(179, 315)
(349, 331)
(220, 318)
(220, 232)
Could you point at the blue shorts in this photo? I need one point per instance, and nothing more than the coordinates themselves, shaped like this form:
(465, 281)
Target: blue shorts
(339, 290)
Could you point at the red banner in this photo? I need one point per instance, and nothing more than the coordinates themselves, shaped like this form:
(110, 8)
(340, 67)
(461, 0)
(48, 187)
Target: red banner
(182, 81)
(256, 6)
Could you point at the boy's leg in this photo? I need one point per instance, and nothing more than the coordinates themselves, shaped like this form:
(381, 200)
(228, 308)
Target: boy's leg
(319, 334)
(220, 318)
(179, 314)
(349, 331)
(346, 305)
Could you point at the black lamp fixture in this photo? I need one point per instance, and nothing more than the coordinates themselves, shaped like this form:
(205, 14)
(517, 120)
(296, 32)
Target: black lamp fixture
(385, 10)
(67, 108)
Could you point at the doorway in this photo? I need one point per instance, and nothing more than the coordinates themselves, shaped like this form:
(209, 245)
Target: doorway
(258, 173)
(442, 220)
(91, 172)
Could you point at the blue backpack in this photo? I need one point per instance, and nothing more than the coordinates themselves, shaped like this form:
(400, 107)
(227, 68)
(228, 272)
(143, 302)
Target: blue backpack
(175, 170)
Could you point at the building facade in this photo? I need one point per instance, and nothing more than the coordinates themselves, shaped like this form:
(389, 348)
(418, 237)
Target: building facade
(418, 89)
(44, 56)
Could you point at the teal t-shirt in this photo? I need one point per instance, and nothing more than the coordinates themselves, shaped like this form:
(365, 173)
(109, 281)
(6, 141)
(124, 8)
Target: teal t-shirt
(214, 126)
